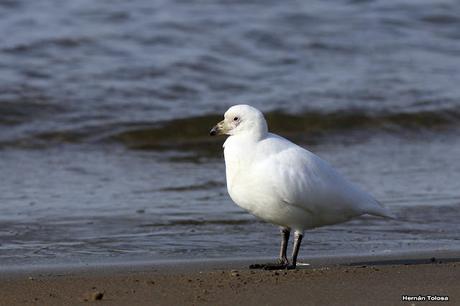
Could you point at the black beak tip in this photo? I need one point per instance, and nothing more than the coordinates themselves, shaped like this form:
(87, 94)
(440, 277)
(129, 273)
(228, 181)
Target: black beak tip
(213, 132)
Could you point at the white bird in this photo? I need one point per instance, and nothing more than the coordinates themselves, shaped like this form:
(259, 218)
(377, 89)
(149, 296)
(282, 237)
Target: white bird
(283, 183)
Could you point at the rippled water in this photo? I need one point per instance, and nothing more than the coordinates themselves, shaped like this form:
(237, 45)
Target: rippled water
(105, 108)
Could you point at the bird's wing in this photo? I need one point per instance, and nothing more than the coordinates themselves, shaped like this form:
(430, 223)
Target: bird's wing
(298, 177)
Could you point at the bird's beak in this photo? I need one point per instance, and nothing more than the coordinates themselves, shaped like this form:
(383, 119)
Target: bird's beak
(218, 129)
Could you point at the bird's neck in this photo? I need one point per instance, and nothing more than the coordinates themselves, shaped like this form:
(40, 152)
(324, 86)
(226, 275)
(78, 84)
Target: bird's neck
(253, 135)
(241, 141)
(239, 151)
(259, 131)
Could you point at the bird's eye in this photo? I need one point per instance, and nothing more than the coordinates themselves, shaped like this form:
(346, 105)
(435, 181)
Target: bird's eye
(235, 119)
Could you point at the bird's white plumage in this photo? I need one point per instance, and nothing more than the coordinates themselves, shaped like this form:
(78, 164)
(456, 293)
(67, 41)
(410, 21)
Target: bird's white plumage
(282, 183)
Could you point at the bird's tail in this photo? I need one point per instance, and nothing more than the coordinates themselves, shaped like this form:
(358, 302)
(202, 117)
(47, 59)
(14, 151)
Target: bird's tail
(379, 210)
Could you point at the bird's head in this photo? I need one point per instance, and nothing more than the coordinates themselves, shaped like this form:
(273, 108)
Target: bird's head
(241, 119)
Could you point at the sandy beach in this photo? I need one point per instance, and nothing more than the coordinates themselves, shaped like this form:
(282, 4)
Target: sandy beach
(345, 281)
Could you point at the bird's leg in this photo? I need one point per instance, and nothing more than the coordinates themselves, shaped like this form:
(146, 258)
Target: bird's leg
(297, 241)
(285, 233)
(295, 252)
(282, 262)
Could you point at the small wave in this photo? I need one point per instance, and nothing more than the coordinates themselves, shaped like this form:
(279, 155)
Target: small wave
(192, 133)
(17, 110)
(60, 42)
(441, 19)
(188, 132)
(204, 186)
(190, 222)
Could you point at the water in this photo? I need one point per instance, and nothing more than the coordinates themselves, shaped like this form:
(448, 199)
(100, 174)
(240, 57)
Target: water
(105, 108)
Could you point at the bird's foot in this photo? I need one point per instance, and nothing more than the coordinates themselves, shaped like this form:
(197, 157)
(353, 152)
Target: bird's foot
(279, 265)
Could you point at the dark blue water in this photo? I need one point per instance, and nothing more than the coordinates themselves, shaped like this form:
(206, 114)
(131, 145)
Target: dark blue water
(105, 108)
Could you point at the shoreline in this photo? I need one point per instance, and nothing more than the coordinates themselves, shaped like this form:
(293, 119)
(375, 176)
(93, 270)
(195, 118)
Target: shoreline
(358, 280)
(200, 265)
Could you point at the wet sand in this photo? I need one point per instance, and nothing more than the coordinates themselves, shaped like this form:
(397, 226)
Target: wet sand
(325, 282)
